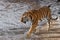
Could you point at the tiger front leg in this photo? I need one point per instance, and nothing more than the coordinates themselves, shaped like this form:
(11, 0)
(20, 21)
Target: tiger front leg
(34, 25)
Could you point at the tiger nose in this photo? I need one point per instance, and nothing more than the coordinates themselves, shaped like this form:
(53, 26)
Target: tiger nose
(24, 22)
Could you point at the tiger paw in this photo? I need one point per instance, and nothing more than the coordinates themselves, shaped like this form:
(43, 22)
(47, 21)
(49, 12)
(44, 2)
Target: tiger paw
(27, 35)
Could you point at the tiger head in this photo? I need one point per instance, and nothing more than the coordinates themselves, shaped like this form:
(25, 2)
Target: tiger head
(26, 17)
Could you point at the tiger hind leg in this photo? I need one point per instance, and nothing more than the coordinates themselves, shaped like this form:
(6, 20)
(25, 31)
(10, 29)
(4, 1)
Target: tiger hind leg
(49, 24)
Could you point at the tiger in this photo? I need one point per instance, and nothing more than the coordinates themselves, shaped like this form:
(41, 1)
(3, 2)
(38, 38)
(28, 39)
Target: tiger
(35, 15)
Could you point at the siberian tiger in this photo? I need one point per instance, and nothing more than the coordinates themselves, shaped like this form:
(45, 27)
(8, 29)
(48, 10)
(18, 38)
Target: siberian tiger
(35, 15)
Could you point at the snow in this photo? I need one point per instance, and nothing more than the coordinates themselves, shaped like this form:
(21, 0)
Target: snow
(10, 14)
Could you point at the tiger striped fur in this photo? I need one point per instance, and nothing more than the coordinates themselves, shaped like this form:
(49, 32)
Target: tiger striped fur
(35, 15)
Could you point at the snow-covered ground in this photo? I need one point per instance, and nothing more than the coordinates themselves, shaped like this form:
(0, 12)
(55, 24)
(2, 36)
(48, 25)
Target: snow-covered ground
(10, 14)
